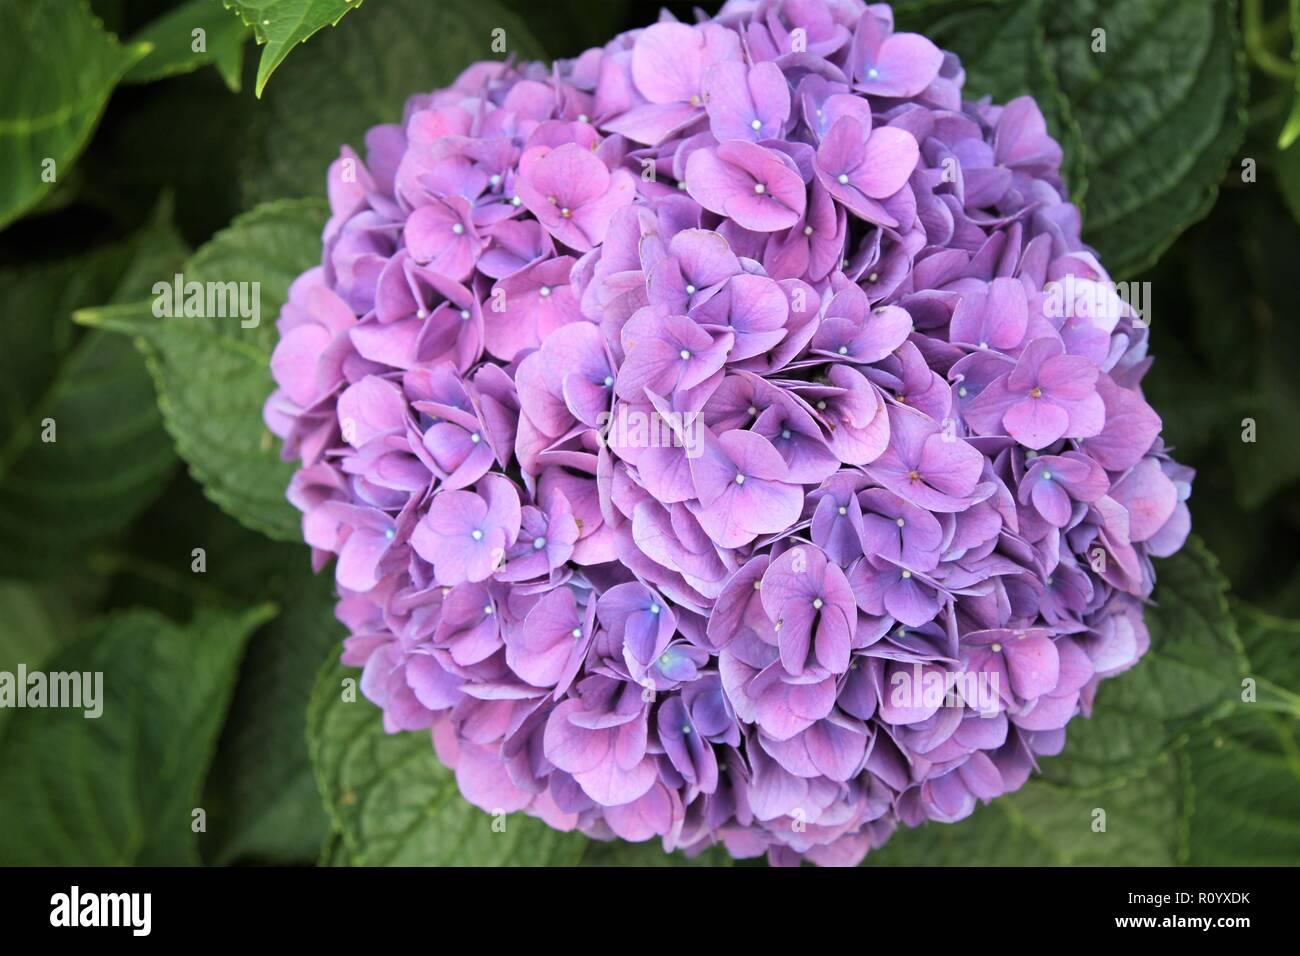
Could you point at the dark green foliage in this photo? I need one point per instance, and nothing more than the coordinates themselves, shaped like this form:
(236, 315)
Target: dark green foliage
(189, 588)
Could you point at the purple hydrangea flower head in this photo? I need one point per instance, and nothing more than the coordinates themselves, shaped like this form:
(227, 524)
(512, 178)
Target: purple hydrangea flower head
(725, 437)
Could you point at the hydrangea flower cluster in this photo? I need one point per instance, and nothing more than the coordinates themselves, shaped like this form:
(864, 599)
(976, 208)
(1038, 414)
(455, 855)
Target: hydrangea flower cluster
(682, 416)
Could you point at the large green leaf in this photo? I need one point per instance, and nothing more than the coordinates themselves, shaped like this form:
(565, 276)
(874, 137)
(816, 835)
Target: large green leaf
(122, 788)
(57, 69)
(361, 74)
(35, 335)
(280, 25)
(1243, 774)
(109, 455)
(1150, 123)
(395, 805)
(34, 627)
(172, 41)
(213, 374)
(1047, 825)
(1161, 114)
(262, 797)
(30, 632)
(109, 460)
(153, 565)
(1272, 644)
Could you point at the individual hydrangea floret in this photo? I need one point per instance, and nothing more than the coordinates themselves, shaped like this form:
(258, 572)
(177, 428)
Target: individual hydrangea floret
(683, 415)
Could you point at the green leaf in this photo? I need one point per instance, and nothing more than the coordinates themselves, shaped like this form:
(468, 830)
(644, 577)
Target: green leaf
(334, 852)
(280, 25)
(360, 75)
(1243, 775)
(262, 798)
(57, 69)
(1243, 790)
(1151, 123)
(121, 788)
(30, 631)
(85, 451)
(33, 629)
(1273, 646)
(1047, 825)
(171, 38)
(153, 566)
(1161, 114)
(395, 805)
(109, 460)
(213, 375)
(35, 336)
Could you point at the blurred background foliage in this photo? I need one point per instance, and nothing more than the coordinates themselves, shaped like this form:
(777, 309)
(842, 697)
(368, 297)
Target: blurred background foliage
(1180, 148)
